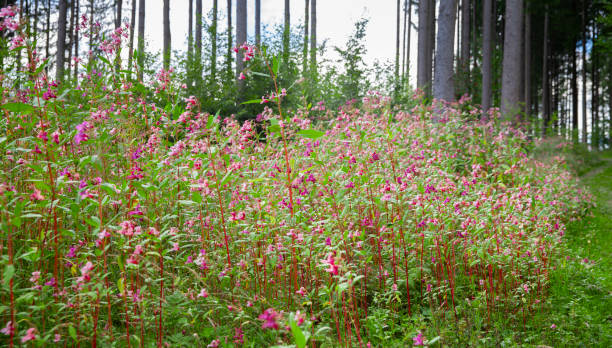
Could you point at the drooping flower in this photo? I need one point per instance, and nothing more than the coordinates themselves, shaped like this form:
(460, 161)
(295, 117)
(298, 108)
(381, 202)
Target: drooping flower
(30, 335)
(9, 329)
(418, 339)
(270, 319)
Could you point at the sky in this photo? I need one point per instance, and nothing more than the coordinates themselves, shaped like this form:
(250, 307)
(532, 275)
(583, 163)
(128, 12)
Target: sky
(335, 22)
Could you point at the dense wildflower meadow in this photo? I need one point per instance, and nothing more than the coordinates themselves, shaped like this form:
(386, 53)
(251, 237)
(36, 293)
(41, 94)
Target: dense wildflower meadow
(130, 218)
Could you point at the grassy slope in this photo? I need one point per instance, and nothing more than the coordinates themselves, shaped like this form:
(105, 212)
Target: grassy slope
(581, 289)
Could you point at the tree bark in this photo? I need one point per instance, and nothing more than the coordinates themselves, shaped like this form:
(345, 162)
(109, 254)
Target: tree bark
(119, 13)
(584, 78)
(397, 41)
(198, 42)
(190, 43)
(487, 36)
(286, 31)
(305, 48)
(141, 34)
(574, 86)
(465, 46)
(48, 30)
(444, 87)
(408, 41)
(213, 39)
(511, 66)
(167, 43)
(545, 78)
(423, 38)
(404, 40)
(70, 33)
(258, 23)
(313, 38)
(76, 42)
(241, 36)
(61, 40)
(527, 58)
(229, 40)
(131, 42)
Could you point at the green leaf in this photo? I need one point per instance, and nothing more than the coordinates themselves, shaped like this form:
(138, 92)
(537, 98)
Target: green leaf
(311, 133)
(252, 101)
(259, 74)
(9, 272)
(72, 332)
(276, 65)
(298, 335)
(120, 285)
(21, 108)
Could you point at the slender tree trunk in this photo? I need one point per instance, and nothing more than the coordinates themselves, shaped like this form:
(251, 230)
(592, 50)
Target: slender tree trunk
(167, 43)
(198, 42)
(545, 79)
(141, 34)
(119, 13)
(213, 39)
(594, 93)
(423, 56)
(487, 37)
(407, 58)
(574, 85)
(76, 42)
(584, 78)
(70, 34)
(48, 30)
(190, 43)
(241, 36)
(313, 38)
(465, 46)
(444, 87)
(229, 40)
(258, 23)
(397, 42)
(35, 33)
(286, 31)
(404, 40)
(431, 45)
(511, 66)
(131, 42)
(305, 48)
(61, 41)
(527, 58)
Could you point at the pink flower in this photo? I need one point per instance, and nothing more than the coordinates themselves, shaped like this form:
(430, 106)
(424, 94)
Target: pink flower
(35, 277)
(242, 77)
(203, 293)
(30, 335)
(57, 338)
(418, 339)
(9, 329)
(36, 195)
(270, 317)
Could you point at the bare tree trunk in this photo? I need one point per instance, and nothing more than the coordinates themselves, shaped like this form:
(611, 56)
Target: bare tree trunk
(213, 39)
(444, 86)
(241, 36)
(465, 46)
(487, 36)
(141, 34)
(190, 43)
(258, 23)
(404, 40)
(229, 39)
(70, 34)
(36, 20)
(527, 58)
(131, 42)
(424, 28)
(397, 42)
(511, 66)
(584, 78)
(431, 45)
(198, 41)
(305, 49)
(545, 78)
(407, 58)
(48, 30)
(167, 38)
(119, 13)
(61, 41)
(287, 31)
(574, 84)
(313, 38)
(76, 42)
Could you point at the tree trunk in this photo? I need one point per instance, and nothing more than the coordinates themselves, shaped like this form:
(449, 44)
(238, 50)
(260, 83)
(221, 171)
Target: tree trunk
(61, 40)
(584, 78)
(167, 34)
(198, 42)
(545, 78)
(422, 57)
(241, 36)
(574, 84)
(141, 34)
(444, 88)
(305, 48)
(286, 31)
(431, 45)
(76, 43)
(131, 42)
(258, 22)
(465, 46)
(313, 37)
(511, 66)
(487, 37)
(404, 40)
(527, 58)
(48, 30)
(229, 40)
(408, 41)
(36, 20)
(213, 39)
(70, 33)
(91, 33)
(397, 42)
(190, 43)
(119, 13)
